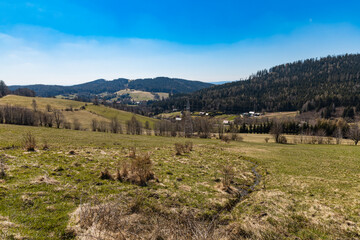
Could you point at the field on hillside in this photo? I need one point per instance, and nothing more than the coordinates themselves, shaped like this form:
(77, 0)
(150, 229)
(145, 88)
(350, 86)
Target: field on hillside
(304, 191)
(138, 95)
(85, 117)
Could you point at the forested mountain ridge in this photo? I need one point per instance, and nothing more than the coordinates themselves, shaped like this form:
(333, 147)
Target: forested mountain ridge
(331, 81)
(159, 84)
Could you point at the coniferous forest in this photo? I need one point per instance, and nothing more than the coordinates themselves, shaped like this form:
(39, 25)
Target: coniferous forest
(312, 84)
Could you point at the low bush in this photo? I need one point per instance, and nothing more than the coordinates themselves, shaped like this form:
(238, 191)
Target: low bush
(189, 146)
(141, 169)
(228, 176)
(282, 139)
(29, 142)
(106, 175)
(139, 172)
(179, 148)
(225, 138)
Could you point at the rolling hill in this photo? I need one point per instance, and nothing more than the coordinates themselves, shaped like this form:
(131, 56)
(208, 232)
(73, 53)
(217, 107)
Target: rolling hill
(312, 84)
(159, 84)
(72, 110)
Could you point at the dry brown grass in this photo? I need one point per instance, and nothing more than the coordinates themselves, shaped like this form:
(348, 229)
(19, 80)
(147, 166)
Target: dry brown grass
(127, 219)
(45, 180)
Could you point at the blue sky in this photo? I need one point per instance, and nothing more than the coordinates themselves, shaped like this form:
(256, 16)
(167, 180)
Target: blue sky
(68, 42)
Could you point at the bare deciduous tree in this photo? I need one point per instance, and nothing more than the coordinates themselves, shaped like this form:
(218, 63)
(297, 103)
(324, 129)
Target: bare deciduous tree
(48, 108)
(134, 127)
(114, 125)
(188, 125)
(94, 125)
(276, 131)
(58, 117)
(354, 133)
(34, 105)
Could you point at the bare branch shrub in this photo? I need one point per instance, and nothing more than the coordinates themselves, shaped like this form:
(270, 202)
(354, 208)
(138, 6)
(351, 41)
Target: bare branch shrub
(94, 125)
(122, 175)
(276, 131)
(225, 138)
(103, 126)
(115, 126)
(67, 125)
(354, 133)
(338, 135)
(320, 136)
(29, 142)
(34, 105)
(179, 148)
(282, 139)
(106, 175)
(134, 127)
(228, 174)
(58, 117)
(48, 108)
(148, 128)
(141, 170)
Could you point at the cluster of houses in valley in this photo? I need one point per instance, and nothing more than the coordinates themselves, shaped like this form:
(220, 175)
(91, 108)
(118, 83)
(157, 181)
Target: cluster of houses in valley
(225, 122)
(251, 114)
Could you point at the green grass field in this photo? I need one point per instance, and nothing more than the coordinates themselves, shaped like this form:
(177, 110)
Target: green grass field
(305, 192)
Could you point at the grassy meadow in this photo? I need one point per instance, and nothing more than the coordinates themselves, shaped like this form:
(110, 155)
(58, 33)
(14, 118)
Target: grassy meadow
(85, 117)
(137, 95)
(305, 191)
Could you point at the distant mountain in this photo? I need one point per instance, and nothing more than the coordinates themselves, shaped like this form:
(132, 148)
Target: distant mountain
(159, 84)
(312, 84)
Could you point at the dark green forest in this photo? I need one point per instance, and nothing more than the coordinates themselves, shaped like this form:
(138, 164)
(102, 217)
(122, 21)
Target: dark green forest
(159, 84)
(312, 84)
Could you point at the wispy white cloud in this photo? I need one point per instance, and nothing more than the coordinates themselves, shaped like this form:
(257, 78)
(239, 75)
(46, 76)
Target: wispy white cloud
(30, 55)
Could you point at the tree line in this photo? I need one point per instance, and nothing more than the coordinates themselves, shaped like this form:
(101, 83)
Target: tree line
(4, 90)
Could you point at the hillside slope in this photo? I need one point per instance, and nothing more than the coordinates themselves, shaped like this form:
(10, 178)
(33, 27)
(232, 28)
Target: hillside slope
(159, 84)
(302, 85)
(85, 116)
